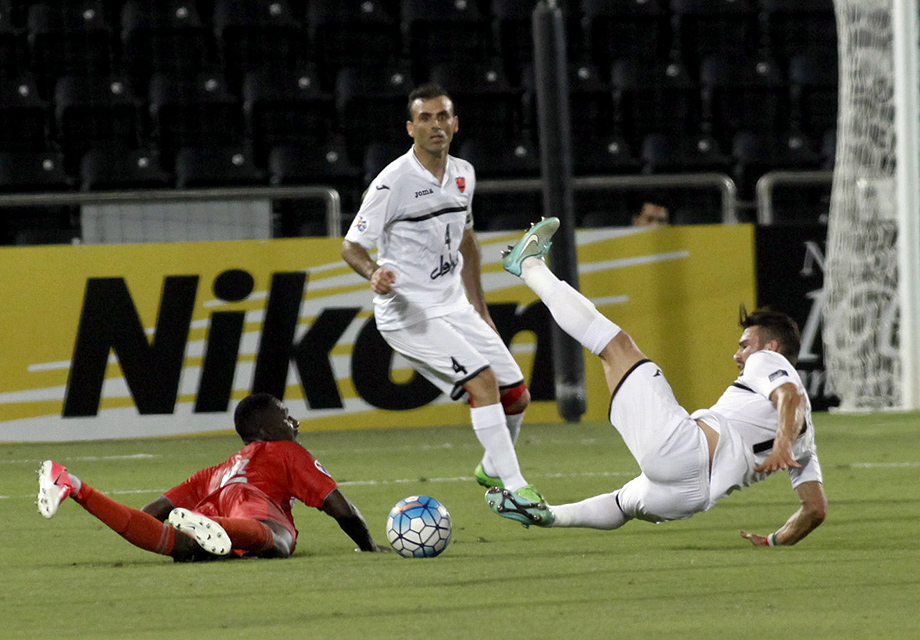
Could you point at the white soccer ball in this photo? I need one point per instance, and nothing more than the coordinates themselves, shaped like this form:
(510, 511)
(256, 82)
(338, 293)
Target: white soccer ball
(419, 527)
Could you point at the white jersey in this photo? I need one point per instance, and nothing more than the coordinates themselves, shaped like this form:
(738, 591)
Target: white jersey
(746, 419)
(417, 224)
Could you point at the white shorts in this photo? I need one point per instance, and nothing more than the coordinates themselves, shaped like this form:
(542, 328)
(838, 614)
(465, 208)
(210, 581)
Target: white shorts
(453, 349)
(669, 446)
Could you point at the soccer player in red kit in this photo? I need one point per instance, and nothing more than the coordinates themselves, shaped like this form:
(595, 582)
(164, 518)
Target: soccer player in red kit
(242, 505)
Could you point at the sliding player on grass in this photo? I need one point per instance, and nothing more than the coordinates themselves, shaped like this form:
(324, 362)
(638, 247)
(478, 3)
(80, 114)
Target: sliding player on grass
(760, 425)
(241, 506)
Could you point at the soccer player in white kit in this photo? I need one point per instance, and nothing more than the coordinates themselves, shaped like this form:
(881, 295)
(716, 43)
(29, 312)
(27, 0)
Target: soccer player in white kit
(429, 304)
(760, 425)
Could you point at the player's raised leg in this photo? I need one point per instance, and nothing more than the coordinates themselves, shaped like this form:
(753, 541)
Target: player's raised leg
(56, 483)
(571, 310)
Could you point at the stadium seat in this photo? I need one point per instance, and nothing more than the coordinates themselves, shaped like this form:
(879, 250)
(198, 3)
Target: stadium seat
(756, 153)
(25, 116)
(40, 173)
(590, 102)
(68, 40)
(167, 37)
(94, 112)
(483, 98)
(625, 29)
(494, 158)
(352, 33)
(371, 105)
(108, 168)
(813, 89)
(795, 27)
(313, 165)
(257, 34)
(438, 31)
(286, 105)
(213, 166)
(704, 28)
(33, 171)
(378, 155)
(192, 112)
(596, 155)
(676, 153)
(742, 93)
(305, 164)
(654, 97)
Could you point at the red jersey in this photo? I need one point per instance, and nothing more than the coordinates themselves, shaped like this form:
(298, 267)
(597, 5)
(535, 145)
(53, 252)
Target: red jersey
(279, 470)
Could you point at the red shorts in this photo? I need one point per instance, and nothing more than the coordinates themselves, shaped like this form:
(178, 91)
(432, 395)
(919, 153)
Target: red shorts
(242, 500)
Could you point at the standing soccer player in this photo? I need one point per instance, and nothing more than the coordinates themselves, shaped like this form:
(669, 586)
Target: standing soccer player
(760, 425)
(242, 505)
(430, 306)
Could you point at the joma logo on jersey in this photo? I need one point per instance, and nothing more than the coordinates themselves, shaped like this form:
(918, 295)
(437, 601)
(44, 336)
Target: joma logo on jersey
(424, 192)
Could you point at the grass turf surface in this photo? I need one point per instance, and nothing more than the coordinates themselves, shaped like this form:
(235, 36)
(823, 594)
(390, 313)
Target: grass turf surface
(857, 576)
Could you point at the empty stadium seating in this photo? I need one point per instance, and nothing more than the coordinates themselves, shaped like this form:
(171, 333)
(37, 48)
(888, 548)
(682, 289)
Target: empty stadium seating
(91, 88)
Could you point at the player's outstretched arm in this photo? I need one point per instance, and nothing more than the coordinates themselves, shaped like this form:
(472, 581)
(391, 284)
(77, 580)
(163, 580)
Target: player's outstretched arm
(809, 516)
(350, 520)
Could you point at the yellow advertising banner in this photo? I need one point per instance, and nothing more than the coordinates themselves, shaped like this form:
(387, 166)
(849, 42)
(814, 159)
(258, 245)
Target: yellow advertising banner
(113, 341)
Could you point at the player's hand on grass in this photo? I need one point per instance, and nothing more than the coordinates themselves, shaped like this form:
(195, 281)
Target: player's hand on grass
(755, 539)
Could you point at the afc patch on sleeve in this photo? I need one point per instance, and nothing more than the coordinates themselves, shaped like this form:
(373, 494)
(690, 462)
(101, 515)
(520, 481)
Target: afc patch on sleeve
(779, 373)
(321, 468)
(361, 224)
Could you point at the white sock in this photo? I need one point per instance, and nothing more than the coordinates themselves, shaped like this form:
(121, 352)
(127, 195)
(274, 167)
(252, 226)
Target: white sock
(599, 512)
(513, 421)
(572, 311)
(492, 432)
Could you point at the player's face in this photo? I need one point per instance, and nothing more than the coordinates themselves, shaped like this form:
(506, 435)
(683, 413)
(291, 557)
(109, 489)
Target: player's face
(433, 124)
(283, 426)
(749, 343)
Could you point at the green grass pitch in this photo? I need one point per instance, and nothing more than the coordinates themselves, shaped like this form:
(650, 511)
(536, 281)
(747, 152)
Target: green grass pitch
(857, 576)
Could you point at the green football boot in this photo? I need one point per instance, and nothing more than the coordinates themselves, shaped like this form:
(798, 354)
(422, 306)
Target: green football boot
(485, 479)
(525, 505)
(535, 243)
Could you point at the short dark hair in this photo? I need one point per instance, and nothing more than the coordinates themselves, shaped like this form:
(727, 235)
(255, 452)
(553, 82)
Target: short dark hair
(775, 325)
(426, 91)
(249, 415)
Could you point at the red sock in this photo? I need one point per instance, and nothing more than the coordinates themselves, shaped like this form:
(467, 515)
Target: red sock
(137, 527)
(247, 534)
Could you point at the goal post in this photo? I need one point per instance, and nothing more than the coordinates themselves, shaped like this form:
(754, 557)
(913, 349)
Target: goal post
(872, 286)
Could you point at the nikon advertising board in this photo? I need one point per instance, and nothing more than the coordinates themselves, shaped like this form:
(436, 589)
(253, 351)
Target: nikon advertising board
(112, 341)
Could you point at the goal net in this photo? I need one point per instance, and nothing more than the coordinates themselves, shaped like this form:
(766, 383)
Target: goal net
(863, 310)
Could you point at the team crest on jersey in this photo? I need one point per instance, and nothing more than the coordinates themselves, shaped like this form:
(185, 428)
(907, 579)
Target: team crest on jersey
(461, 184)
(321, 467)
(361, 224)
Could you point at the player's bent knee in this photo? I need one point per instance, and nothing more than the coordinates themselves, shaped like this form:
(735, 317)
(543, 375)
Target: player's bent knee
(515, 399)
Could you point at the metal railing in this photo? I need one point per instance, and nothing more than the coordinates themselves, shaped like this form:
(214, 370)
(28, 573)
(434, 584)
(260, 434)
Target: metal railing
(769, 181)
(332, 200)
(241, 194)
(724, 184)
